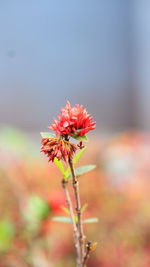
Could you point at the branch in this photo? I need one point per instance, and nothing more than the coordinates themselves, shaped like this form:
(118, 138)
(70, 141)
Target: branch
(75, 230)
(86, 257)
(78, 209)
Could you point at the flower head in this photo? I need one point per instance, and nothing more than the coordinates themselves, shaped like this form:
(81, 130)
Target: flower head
(59, 148)
(72, 121)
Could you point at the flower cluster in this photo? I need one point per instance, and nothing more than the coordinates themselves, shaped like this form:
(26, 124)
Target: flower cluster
(73, 121)
(59, 148)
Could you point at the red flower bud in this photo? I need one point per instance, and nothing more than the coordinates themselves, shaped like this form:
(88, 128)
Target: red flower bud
(59, 148)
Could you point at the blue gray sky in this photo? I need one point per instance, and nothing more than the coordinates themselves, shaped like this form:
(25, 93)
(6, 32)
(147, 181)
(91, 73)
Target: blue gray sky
(51, 51)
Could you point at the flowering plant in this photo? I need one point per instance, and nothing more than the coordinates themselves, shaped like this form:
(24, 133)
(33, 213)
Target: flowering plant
(72, 123)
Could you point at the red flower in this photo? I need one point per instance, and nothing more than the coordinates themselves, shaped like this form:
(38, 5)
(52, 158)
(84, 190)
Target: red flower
(59, 148)
(73, 121)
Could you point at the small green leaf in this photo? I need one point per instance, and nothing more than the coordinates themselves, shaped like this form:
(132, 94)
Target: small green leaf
(47, 135)
(91, 220)
(65, 210)
(76, 158)
(84, 207)
(63, 219)
(76, 218)
(82, 170)
(67, 172)
(80, 138)
(60, 166)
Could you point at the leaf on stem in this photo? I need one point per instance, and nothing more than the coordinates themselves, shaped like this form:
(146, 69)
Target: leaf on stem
(84, 207)
(47, 135)
(60, 166)
(76, 218)
(91, 220)
(65, 210)
(76, 158)
(82, 170)
(63, 219)
(80, 138)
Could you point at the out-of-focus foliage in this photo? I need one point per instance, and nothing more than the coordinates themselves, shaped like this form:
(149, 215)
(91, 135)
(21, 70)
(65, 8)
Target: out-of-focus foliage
(7, 231)
(117, 192)
(37, 208)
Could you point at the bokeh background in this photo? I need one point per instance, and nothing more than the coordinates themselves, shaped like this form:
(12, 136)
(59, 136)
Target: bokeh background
(95, 53)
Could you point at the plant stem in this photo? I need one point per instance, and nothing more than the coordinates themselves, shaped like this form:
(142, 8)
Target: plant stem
(75, 184)
(86, 257)
(75, 230)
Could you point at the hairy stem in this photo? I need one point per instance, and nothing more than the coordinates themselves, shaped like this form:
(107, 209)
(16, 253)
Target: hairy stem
(75, 230)
(75, 184)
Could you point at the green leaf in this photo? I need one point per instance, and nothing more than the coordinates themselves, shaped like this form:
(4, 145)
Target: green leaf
(63, 219)
(47, 135)
(82, 170)
(67, 173)
(76, 158)
(7, 232)
(65, 210)
(91, 220)
(60, 166)
(76, 218)
(84, 207)
(80, 138)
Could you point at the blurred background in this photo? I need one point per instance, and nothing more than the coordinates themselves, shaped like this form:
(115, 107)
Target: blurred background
(95, 53)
